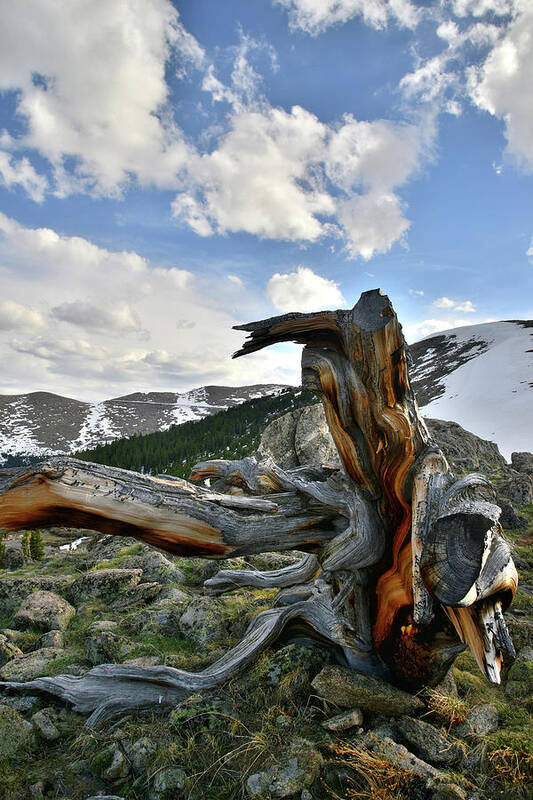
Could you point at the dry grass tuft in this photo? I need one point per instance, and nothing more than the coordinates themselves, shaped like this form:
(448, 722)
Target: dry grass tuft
(375, 778)
(448, 710)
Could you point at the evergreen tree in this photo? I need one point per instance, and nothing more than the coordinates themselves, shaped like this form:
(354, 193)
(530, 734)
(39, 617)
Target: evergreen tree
(2, 549)
(26, 544)
(36, 545)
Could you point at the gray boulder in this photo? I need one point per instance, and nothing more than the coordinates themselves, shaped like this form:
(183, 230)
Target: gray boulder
(105, 584)
(8, 650)
(167, 784)
(349, 689)
(14, 589)
(44, 723)
(15, 732)
(13, 557)
(523, 462)
(45, 611)
(428, 742)
(32, 665)
(203, 622)
(482, 719)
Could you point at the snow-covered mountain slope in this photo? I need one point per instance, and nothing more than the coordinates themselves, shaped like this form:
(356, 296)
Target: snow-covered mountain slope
(480, 376)
(41, 423)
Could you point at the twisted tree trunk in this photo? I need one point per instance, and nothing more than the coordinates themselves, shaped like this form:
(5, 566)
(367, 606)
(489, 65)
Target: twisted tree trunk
(406, 564)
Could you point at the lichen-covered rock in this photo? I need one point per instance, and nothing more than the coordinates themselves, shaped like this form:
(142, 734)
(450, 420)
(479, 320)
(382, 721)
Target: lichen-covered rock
(203, 621)
(45, 611)
(523, 462)
(44, 723)
(520, 677)
(343, 722)
(106, 584)
(103, 645)
(346, 688)
(13, 557)
(31, 665)
(167, 784)
(8, 650)
(428, 742)
(15, 732)
(509, 519)
(14, 589)
(140, 595)
(156, 568)
(51, 639)
(293, 667)
(139, 752)
(483, 719)
(118, 768)
(518, 489)
(397, 754)
(290, 776)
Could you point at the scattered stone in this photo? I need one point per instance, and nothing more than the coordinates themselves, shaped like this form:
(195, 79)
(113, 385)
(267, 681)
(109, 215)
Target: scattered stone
(482, 719)
(119, 767)
(428, 742)
(13, 636)
(32, 665)
(43, 723)
(520, 678)
(8, 650)
(509, 519)
(51, 639)
(343, 722)
(290, 777)
(202, 622)
(140, 752)
(45, 611)
(295, 666)
(518, 489)
(105, 584)
(14, 590)
(13, 557)
(143, 661)
(15, 732)
(103, 646)
(167, 784)
(142, 594)
(155, 567)
(19, 702)
(346, 688)
(449, 791)
(400, 755)
(521, 631)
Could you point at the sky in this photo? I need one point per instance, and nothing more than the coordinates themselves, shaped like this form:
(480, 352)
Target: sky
(171, 169)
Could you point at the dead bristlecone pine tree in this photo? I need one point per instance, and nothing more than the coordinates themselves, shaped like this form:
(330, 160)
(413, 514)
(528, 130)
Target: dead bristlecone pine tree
(404, 564)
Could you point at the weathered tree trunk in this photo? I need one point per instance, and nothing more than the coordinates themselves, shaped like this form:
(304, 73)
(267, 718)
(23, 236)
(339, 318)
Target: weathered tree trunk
(407, 563)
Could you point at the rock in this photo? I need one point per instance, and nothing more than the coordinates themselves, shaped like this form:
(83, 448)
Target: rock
(15, 732)
(203, 622)
(140, 595)
(13, 557)
(346, 688)
(103, 646)
(105, 797)
(20, 703)
(521, 631)
(428, 742)
(143, 661)
(14, 590)
(8, 650)
(156, 568)
(343, 722)
(32, 665)
(119, 767)
(45, 611)
(509, 519)
(105, 584)
(13, 636)
(449, 791)
(167, 784)
(400, 755)
(519, 684)
(140, 752)
(43, 722)
(288, 777)
(523, 462)
(482, 719)
(51, 639)
(294, 665)
(518, 489)
(313, 442)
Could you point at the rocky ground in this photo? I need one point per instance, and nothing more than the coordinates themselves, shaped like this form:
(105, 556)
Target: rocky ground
(294, 725)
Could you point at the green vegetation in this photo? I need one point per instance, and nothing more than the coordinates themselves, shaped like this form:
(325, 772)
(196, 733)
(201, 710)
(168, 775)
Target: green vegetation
(2, 549)
(26, 544)
(36, 545)
(232, 434)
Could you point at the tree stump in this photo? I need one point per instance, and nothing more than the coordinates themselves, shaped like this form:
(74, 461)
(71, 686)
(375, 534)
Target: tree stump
(405, 565)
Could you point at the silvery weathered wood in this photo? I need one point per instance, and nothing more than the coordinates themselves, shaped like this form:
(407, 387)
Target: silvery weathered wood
(407, 564)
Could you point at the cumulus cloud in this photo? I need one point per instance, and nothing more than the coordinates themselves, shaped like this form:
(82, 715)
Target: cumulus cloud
(416, 292)
(415, 331)
(446, 302)
(20, 172)
(315, 16)
(303, 290)
(95, 347)
(18, 317)
(86, 315)
(95, 93)
(502, 85)
(530, 250)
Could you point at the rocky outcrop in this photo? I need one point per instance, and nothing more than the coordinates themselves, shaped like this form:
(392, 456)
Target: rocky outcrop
(45, 611)
(106, 584)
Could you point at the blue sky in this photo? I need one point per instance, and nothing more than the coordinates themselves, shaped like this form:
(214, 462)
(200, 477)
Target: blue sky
(168, 170)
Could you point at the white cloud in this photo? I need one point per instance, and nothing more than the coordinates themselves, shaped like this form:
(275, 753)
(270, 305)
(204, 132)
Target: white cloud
(96, 346)
(90, 83)
(372, 223)
(315, 16)
(98, 318)
(18, 317)
(21, 172)
(530, 250)
(478, 8)
(235, 279)
(446, 302)
(502, 85)
(415, 331)
(303, 290)
(416, 292)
